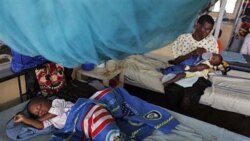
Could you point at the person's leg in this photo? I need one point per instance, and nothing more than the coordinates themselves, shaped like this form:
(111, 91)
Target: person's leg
(176, 78)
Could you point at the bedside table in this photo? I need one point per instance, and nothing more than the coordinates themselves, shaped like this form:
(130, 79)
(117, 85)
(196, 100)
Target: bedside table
(103, 75)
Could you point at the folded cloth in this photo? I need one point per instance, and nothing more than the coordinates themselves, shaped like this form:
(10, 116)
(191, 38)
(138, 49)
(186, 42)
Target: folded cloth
(187, 82)
(233, 57)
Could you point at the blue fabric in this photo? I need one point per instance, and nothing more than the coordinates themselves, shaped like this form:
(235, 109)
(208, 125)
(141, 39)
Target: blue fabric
(135, 118)
(74, 32)
(22, 132)
(72, 130)
(140, 118)
(21, 62)
(180, 68)
(233, 57)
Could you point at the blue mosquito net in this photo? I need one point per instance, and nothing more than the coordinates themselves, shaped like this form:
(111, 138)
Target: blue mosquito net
(71, 32)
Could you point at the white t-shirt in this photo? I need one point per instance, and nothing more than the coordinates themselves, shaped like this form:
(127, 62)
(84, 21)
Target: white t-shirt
(245, 49)
(61, 108)
(185, 44)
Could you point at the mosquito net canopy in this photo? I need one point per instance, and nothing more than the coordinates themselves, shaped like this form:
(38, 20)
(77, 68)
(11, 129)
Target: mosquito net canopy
(73, 32)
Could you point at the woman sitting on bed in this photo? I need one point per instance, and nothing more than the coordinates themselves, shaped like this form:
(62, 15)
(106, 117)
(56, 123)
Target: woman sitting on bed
(187, 67)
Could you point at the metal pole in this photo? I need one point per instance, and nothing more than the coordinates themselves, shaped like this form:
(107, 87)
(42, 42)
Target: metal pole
(219, 19)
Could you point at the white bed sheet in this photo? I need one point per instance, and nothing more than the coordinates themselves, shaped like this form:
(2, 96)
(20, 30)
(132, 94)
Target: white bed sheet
(190, 129)
(229, 93)
(141, 71)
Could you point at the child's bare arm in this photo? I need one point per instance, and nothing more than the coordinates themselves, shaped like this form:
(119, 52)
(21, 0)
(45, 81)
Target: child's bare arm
(47, 117)
(31, 122)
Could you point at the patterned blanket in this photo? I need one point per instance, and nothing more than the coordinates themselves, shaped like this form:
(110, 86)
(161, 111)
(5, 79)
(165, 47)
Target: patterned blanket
(113, 114)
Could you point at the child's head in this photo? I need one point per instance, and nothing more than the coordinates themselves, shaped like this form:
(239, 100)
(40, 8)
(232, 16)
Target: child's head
(39, 106)
(216, 59)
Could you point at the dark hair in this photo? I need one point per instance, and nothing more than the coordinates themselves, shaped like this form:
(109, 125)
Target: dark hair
(35, 100)
(206, 19)
(220, 60)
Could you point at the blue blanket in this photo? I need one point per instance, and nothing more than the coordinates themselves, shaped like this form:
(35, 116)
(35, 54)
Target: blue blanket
(22, 132)
(180, 68)
(128, 117)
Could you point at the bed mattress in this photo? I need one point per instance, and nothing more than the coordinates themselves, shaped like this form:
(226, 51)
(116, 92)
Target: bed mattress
(141, 71)
(229, 93)
(190, 129)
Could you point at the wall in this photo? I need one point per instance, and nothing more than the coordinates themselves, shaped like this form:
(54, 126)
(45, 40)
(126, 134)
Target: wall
(226, 34)
(10, 93)
(164, 51)
(225, 38)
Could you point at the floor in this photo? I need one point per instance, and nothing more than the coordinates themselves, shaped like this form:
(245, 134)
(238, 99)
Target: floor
(234, 122)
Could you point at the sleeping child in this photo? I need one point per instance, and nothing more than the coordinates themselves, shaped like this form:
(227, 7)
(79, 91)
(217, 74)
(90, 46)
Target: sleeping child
(110, 114)
(45, 113)
(196, 64)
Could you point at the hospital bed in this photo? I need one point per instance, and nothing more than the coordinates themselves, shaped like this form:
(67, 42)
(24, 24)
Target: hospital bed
(229, 92)
(141, 71)
(189, 129)
(232, 91)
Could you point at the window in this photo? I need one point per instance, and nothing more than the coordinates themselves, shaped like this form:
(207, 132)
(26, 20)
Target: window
(230, 6)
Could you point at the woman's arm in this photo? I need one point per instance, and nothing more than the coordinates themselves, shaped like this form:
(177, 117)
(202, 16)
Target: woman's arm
(179, 59)
(31, 122)
(199, 67)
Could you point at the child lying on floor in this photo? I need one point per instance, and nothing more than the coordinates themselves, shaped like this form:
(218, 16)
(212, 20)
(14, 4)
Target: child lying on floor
(189, 67)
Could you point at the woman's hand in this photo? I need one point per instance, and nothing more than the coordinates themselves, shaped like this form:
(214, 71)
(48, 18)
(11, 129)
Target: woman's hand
(199, 51)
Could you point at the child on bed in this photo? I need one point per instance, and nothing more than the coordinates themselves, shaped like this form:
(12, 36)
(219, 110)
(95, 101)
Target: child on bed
(56, 113)
(46, 113)
(192, 66)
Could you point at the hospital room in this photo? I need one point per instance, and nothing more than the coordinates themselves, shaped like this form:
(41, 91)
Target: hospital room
(145, 70)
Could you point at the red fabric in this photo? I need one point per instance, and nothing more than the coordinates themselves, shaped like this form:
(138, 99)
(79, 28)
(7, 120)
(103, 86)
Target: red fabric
(219, 46)
(96, 119)
(50, 78)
